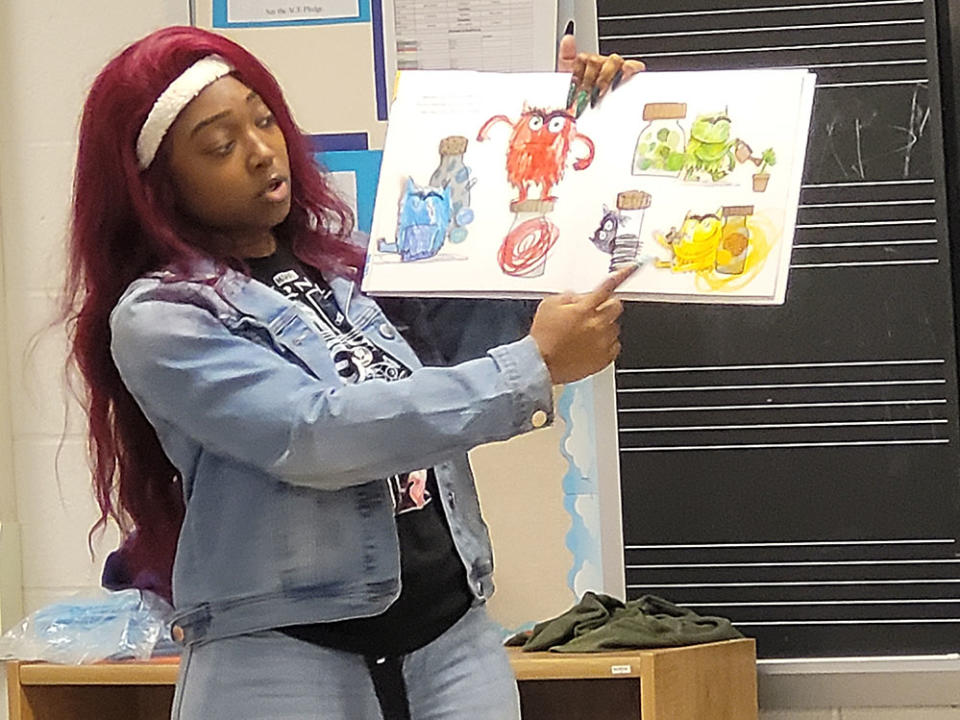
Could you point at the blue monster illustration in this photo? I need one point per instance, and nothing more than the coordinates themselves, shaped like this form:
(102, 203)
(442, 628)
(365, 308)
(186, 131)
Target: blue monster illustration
(425, 216)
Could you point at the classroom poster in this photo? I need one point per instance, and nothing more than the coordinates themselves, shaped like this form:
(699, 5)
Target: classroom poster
(490, 186)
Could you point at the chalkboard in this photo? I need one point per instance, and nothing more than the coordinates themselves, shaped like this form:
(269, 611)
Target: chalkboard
(795, 468)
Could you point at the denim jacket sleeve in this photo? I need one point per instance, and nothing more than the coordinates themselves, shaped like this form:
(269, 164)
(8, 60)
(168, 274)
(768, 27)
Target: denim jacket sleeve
(238, 398)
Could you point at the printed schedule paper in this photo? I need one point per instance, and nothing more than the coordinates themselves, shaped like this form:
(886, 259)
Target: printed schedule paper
(498, 35)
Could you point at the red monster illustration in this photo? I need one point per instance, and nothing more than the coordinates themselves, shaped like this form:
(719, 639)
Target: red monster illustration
(538, 150)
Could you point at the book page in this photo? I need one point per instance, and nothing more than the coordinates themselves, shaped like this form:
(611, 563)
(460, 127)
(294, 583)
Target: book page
(491, 187)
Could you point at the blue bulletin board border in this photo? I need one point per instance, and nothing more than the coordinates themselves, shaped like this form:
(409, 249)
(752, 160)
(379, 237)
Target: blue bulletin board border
(379, 60)
(348, 152)
(332, 142)
(220, 17)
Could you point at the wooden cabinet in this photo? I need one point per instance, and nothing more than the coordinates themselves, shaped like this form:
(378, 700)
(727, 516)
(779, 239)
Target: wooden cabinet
(105, 691)
(717, 681)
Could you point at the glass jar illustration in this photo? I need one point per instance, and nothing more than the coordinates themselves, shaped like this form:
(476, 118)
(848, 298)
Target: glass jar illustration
(523, 252)
(452, 173)
(662, 142)
(734, 240)
(618, 234)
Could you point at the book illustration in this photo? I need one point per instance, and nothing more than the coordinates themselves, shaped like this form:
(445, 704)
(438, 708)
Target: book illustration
(760, 179)
(539, 146)
(422, 222)
(619, 232)
(532, 235)
(561, 200)
(662, 143)
(710, 150)
(453, 173)
(705, 153)
(428, 215)
(538, 150)
(718, 247)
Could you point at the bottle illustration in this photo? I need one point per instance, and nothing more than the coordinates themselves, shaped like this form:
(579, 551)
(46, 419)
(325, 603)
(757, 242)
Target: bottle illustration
(735, 239)
(452, 173)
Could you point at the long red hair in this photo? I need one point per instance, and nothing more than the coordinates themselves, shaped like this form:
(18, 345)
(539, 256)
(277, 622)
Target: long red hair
(125, 223)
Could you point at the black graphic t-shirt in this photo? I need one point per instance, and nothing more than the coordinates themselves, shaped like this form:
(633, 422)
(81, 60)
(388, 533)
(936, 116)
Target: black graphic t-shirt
(434, 592)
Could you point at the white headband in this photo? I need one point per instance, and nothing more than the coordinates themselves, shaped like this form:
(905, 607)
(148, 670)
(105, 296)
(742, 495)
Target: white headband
(173, 100)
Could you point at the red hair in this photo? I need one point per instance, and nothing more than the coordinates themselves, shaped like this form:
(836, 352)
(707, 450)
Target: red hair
(125, 223)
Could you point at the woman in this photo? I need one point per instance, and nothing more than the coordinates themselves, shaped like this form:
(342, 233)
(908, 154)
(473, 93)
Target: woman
(251, 409)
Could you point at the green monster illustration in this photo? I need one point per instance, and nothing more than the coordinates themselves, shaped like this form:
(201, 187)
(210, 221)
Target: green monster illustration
(710, 150)
(708, 155)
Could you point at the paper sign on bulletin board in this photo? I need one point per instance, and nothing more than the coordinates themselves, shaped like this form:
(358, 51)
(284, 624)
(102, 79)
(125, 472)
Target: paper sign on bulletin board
(265, 13)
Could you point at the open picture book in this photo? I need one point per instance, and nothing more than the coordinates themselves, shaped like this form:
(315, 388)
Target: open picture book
(491, 187)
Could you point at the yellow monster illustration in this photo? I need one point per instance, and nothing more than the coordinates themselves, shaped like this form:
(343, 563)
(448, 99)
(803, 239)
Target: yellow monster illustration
(724, 250)
(694, 245)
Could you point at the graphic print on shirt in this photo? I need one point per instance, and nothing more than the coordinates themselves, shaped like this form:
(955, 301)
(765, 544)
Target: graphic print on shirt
(409, 491)
(354, 357)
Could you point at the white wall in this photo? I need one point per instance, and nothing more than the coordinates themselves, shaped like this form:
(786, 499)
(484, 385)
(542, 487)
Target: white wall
(49, 53)
(9, 530)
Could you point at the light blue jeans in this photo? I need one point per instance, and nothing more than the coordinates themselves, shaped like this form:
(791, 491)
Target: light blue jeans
(271, 676)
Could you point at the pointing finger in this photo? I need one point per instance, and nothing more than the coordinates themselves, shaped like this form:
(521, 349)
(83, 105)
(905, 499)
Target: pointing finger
(605, 289)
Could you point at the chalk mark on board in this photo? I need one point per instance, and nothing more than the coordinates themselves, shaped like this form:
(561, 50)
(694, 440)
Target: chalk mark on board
(830, 127)
(915, 131)
(856, 127)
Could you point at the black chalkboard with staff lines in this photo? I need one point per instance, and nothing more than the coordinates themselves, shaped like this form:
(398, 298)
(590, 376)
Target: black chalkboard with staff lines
(795, 468)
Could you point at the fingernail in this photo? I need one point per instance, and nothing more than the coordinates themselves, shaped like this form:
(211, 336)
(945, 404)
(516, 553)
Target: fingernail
(568, 30)
(571, 92)
(618, 76)
(594, 96)
(581, 103)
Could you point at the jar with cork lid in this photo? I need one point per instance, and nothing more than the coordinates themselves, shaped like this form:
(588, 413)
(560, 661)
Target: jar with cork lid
(662, 143)
(625, 246)
(451, 172)
(523, 252)
(734, 240)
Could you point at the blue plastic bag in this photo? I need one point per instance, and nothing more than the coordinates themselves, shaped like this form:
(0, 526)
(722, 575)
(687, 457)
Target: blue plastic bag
(92, 627)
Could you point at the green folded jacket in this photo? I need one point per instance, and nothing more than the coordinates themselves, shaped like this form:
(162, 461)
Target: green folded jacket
(601, 622)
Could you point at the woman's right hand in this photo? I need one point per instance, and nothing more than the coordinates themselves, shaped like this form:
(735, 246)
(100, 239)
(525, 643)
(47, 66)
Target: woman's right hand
(579, 335)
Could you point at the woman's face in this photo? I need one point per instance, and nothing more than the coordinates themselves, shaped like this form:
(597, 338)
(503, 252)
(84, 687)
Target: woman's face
(229, 165)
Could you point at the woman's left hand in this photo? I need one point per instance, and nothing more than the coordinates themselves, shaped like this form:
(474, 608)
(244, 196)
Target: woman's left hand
(593, 75)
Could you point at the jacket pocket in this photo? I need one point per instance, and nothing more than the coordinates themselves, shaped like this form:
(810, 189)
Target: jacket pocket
(334, 541)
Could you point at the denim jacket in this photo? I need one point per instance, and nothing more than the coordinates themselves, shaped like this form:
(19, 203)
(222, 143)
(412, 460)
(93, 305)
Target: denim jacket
(288, 520)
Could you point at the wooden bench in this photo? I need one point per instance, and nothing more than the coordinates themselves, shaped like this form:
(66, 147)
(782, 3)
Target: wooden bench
(717, 681)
